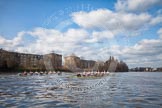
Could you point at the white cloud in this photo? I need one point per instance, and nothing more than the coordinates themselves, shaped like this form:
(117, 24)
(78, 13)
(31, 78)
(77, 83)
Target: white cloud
(104, 19)
(103, 34)
(156, 20)
(11, 43)
(145, 53)
(74, 35)
(47, 40)
(135, 5)
(100, 36)
(54, 40)
(2, 40)
(160, 33)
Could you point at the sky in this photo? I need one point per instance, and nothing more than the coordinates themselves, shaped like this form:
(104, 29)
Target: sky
(129, 30)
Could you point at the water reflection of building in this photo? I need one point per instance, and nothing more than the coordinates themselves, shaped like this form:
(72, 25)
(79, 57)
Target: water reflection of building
(75, 63)
(14, 60)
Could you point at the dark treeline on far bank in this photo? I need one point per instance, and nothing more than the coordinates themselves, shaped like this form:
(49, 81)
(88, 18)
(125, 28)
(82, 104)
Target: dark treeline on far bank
(113, 65)
(146, 69)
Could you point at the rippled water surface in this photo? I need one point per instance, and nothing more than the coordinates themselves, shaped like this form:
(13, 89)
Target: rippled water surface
(118, 90)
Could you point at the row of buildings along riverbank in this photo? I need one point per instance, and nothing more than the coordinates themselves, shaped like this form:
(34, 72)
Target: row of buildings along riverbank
(22, 61)
(10, 61)
(112, 65)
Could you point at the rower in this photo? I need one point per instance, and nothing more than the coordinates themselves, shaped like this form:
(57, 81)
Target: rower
(25, 73)
(36, 73)
(30, 73)
(59, 73)
(79, 75)
(41, 73)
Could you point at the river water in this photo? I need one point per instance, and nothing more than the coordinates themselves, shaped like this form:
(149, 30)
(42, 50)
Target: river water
(118, 90)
